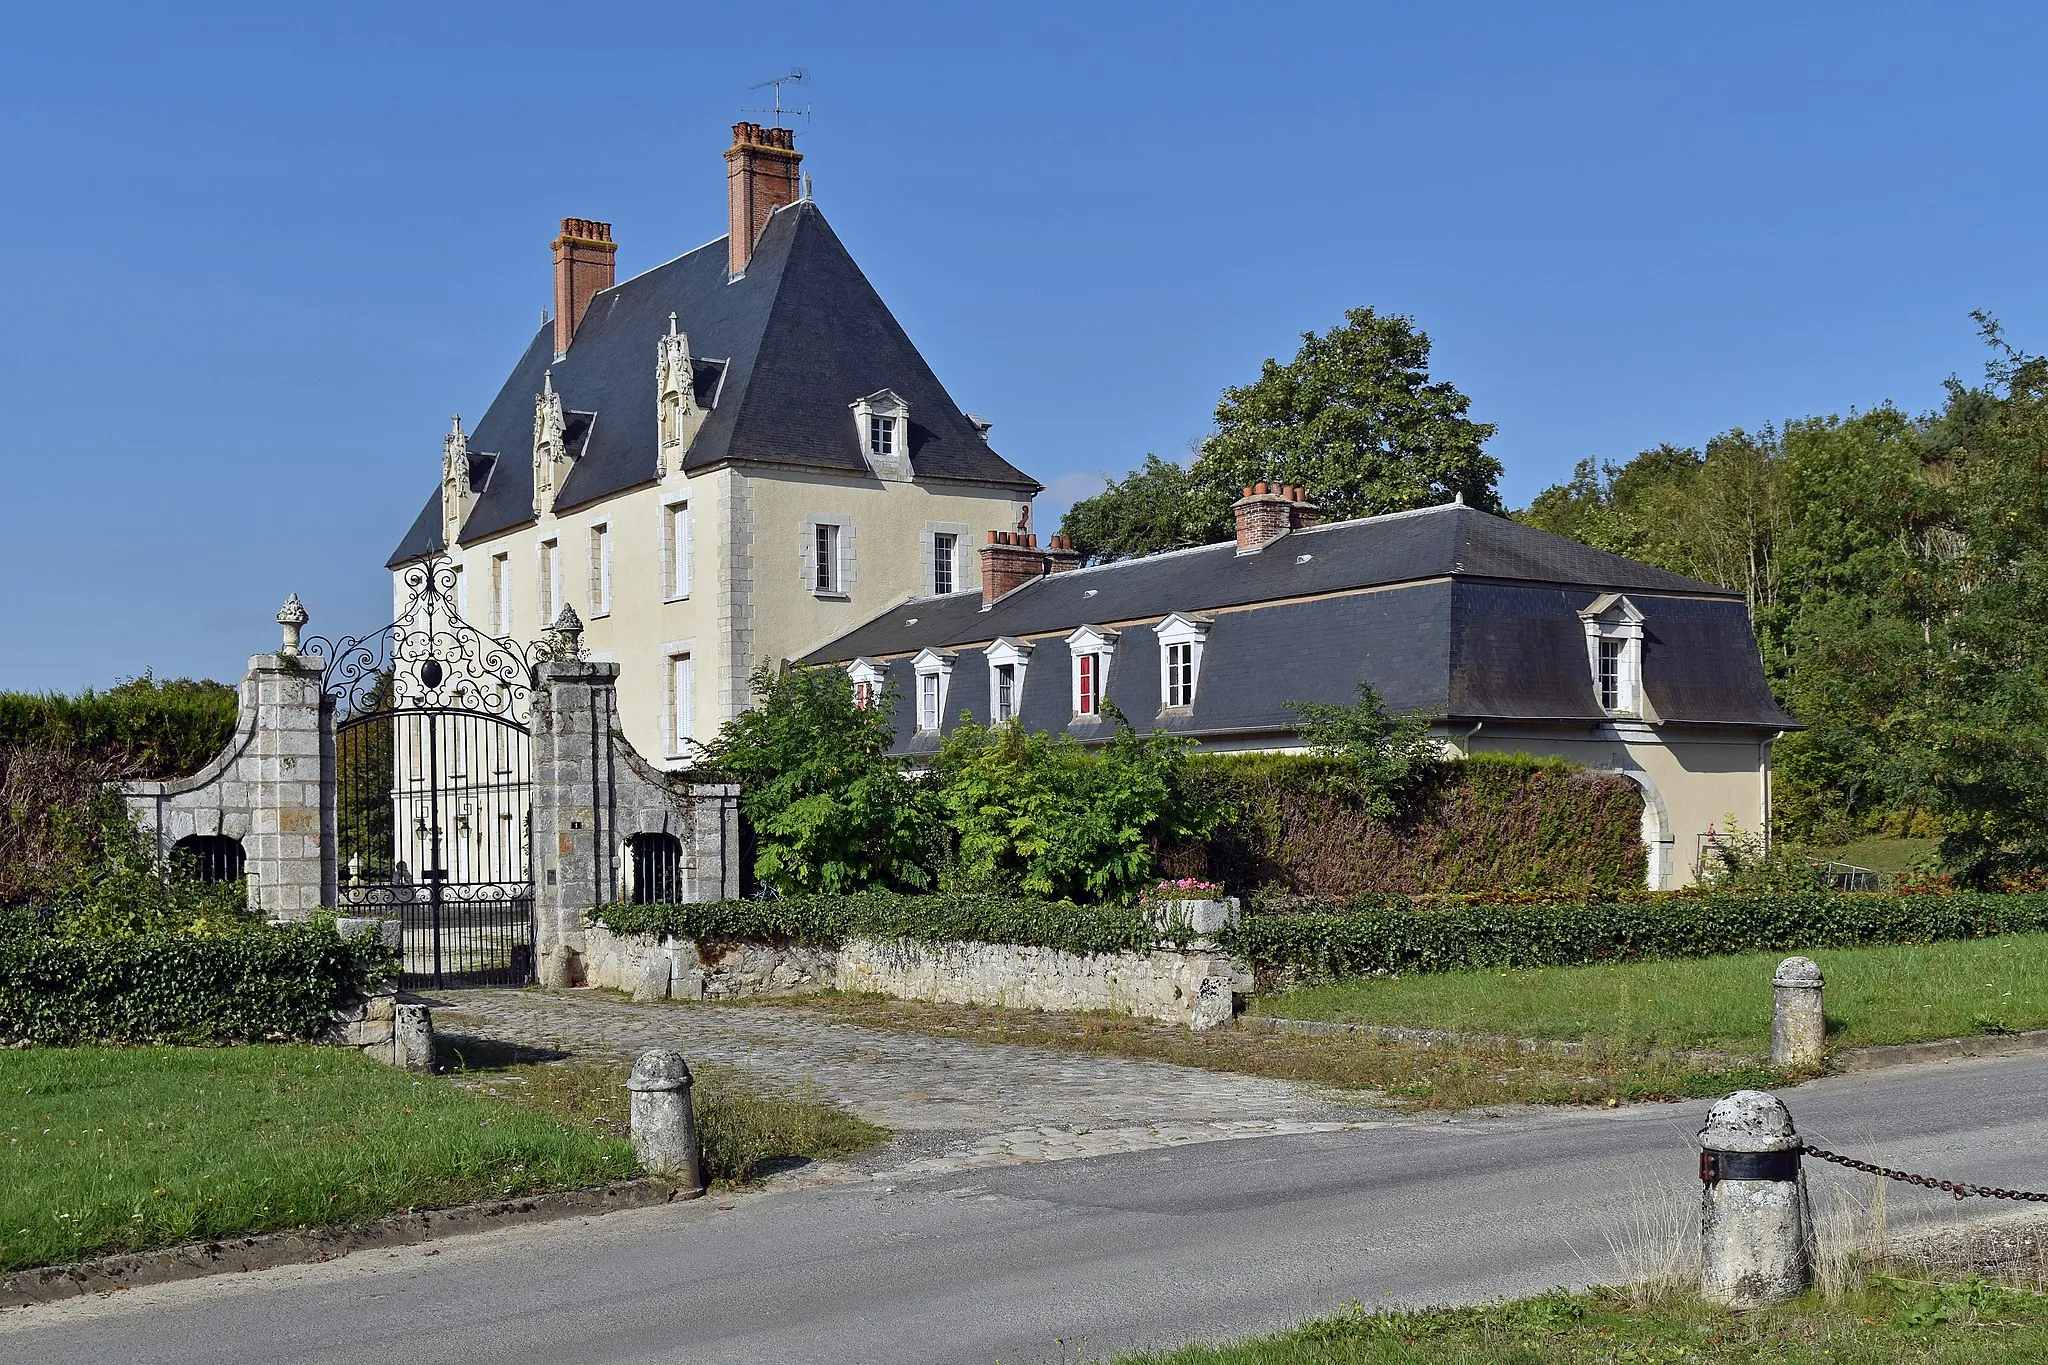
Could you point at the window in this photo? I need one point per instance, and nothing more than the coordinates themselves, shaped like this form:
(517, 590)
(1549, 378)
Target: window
(601, 569)
(679, 706)
(882, 426)
(863, 695)
(942, 562)
(211, 857)
(1181, 638)
(867, 675)
(825, 558)
(657, 868)
(1610, 675)
(1180, 675)
(1090, 648)
(1614, 653)
(675, 550)
(881, 435)
(501, 594)
(1006, 692)
(934, 676)
(550, 582)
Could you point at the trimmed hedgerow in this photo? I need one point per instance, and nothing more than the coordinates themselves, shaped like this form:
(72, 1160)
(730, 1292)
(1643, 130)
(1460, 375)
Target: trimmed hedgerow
(828, 921)
(144, 727)
(1493, 823)
(1341, 940)
(272, 982)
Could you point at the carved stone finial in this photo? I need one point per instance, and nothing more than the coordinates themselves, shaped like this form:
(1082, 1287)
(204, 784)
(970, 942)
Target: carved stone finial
(292, 616)
(455, 425)
(566, 636)
(671, 324)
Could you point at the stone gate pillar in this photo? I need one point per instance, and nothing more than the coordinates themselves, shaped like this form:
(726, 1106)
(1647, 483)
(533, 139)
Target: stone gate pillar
(269, 789)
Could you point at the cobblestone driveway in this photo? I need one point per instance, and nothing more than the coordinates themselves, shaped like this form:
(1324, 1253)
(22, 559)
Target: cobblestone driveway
(954, 1104)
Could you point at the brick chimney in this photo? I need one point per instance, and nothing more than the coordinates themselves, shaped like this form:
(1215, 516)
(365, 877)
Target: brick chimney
(1268, 511)
(760, 177)
(1012, 558)
(585, 259)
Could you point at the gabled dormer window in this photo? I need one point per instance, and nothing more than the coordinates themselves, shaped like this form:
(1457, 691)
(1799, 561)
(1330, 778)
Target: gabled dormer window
(1181, 638)
(1007, 659)
(934, 669)
(1614, 653)
(1090, 647)
(868, 676)
(882, 422)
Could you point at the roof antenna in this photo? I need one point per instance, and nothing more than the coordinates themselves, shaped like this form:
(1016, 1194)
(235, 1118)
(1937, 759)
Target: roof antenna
(796, 73)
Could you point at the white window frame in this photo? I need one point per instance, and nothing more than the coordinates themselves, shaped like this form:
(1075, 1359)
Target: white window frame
(600, 569)
(842, 561)
(1014, 655)
(501, 593)
(1613, 619)
(936, 664)
(871, 674)
(548, 569)
(884, 406)
(1099, 644)
(678, 549)
(678, 709)
(959, 531)
(1181, 629)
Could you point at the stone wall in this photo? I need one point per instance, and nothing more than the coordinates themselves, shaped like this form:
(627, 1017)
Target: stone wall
(1196, 986)
(592, 793)
(266, 789)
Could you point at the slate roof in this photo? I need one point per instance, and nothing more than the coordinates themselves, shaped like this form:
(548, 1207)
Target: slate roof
(1449, 611)
(785, 349)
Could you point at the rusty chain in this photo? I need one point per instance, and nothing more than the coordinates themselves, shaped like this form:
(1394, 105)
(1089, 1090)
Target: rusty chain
(1956, 1188)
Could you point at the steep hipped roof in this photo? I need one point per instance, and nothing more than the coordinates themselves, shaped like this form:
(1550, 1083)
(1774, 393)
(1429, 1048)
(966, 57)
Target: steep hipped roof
(801, 335)
(1448, 611)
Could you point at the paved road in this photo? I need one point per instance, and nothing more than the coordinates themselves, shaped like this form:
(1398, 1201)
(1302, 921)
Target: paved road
(1058, 1260)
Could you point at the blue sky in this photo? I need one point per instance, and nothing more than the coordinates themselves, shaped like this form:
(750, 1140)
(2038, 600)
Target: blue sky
(258, 254)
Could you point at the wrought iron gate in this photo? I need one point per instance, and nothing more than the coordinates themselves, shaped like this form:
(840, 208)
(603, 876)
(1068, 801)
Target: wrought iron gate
(434, 786)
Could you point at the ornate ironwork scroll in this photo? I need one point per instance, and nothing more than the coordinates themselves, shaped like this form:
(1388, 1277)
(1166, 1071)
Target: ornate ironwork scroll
(429, 657)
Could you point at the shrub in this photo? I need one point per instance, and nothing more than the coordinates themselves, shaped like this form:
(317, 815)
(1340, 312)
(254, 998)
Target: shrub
(264, 982)
(828, 921)
(1494, 823)
(138, 728)
(1386, 759)
(126, 893)
(1351, 940)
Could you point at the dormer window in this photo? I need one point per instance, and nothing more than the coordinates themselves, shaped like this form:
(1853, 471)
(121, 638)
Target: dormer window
(868, 676)
(1181, 638)
(882, 422)
(934, 670)
(1007, 659)
(1614, 653)
(1090, 647)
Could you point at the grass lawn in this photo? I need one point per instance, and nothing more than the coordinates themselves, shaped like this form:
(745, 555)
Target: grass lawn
(106, 1149)
(1874, 995)
(1949, 1322)
(1879, 853)
(1402, 1075)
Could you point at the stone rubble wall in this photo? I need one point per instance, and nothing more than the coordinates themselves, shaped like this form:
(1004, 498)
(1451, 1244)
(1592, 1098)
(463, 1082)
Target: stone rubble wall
(1197, 986)
(368, 1022)
(266, 789)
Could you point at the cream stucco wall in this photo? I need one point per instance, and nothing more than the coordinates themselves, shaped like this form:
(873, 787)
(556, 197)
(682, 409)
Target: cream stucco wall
(748, 598)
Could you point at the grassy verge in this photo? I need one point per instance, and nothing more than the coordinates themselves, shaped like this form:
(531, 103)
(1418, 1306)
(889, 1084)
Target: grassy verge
(1908, 993)
(1428, 1078)
(1887, 1320)
(743, 1130)
(123, 1149)
(1880, 853)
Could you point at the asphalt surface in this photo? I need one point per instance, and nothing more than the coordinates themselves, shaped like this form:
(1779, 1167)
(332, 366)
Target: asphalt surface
(1065, 1261)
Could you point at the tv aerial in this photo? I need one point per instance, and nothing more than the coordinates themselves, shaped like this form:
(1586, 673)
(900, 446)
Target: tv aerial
(796, 74)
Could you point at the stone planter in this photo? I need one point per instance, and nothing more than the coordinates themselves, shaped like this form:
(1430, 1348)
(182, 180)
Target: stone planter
(1204, 918)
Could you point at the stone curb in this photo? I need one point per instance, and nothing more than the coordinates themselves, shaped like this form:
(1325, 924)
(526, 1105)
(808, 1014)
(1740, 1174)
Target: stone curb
(1431, 1037)
(264, 1251)
(1941, 1050)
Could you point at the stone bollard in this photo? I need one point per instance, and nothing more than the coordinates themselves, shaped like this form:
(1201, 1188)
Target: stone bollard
(1753, 1235)
(412, 1038)
(664, 1128)
(1798, 1028)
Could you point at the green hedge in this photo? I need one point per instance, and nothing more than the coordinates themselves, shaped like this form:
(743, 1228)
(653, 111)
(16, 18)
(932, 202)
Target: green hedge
(1492, 823)
(140, 728)
(1354, 940)
(269, 982)
(828, 921)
